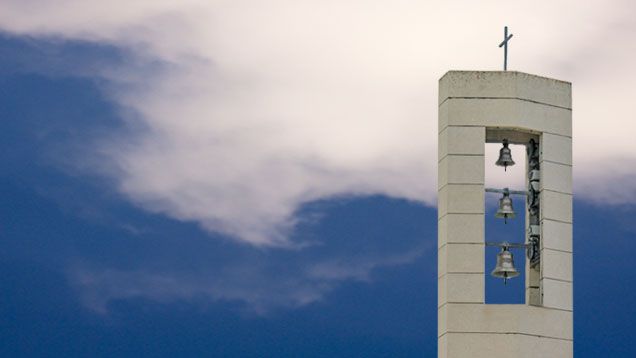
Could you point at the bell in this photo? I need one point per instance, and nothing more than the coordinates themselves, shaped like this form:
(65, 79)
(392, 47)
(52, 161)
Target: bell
(505, 210)
(505, 265)
(505, 157)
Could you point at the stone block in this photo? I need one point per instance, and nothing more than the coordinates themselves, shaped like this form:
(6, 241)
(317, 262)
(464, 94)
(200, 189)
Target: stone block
(488, 112)
(533, 282)
(556, 294)
(533, 296)
(476, 84)
(442, 261)
(461, 169)
(542, 118)
(544, 90)
(461, 199)
(533, 347)
(556, 148)
(556, 264)
(522, 319)
(556, 206)
(461, 228)
(442, 290)
(556, 235)
(442, 321)
(442, 144)
(556, 177)
(533, 277)
(505, 84)
(442, 347)
(506, 113)
(442, 118)
(460, 258)
(460, 288)
(461, 141)
(477, 112)
(463, 345)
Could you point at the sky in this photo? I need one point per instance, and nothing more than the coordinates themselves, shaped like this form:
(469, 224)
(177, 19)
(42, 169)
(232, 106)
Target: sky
(242, 178)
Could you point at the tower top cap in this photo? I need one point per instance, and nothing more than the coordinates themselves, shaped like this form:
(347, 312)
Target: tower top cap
(505, 84)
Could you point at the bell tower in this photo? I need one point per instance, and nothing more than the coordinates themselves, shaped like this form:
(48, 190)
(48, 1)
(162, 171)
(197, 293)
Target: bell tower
(508, 108)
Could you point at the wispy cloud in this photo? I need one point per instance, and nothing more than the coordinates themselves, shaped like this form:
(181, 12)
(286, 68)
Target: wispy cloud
(250, 109)
(260, 286)
(357, 268)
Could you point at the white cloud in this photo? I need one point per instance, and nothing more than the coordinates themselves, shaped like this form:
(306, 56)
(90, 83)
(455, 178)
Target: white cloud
(253, 108)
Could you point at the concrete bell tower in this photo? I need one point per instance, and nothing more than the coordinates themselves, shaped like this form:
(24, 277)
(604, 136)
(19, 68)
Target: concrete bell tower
(486, 107)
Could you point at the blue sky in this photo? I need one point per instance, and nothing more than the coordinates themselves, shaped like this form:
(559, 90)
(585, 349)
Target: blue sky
(164, 199)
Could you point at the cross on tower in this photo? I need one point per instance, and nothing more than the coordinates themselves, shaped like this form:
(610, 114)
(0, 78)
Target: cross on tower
(504, 43)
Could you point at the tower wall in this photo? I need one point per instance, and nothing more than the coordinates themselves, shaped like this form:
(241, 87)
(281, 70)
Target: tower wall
(473, 108)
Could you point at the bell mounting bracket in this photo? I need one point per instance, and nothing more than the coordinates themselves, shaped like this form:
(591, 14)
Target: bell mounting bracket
(532, 248)
(508, 191)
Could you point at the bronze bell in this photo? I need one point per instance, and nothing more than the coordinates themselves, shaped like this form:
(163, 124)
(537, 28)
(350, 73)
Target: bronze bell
(505, 210)
(505, 157)
(505, 265)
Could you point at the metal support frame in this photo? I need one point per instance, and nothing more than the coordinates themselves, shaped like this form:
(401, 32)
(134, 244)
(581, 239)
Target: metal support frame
(534, 202)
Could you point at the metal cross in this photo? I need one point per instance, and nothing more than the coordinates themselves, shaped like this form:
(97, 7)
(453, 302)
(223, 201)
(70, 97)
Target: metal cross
(504, 43)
